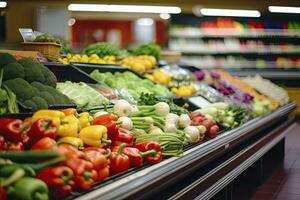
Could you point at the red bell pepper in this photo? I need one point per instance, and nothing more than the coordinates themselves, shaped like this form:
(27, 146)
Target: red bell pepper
(44, 144)
(100, 162)
(18, 146)
(59, 180)
(122, 136)
(151, 151)
(11, 129)
(135, 157)
(101, 150)
(85, 175)
(69, 151)
(108, 120)
(3, 143)
(119, 162)
(42, 128)
(2, 193)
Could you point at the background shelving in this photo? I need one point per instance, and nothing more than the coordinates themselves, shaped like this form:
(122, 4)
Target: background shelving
(238, 43)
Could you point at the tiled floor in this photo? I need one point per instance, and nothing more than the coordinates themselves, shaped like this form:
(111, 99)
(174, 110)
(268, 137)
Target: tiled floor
(284, 183)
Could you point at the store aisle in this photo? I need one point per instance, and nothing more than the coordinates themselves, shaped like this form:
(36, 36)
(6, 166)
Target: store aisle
(284, 183)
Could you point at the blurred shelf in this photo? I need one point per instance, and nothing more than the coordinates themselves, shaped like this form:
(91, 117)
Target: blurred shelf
(251, 53)
(234, 33)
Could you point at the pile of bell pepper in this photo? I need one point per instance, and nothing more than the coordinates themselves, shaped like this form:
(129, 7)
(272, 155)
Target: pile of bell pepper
(63, 151)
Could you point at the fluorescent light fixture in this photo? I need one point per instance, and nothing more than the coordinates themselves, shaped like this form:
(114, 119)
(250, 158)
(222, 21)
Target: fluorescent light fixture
(165, 16)
(144, 22)
(124, 8)
(284, 9)
(229, 12)
(3, 4)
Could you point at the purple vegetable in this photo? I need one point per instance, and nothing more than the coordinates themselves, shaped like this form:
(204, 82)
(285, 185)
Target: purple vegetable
(200, 75)
(226, 89)
(215, 75)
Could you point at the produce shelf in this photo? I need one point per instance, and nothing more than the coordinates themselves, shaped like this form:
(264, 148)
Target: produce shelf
(140, 184)
(214, 33)
(241, 53)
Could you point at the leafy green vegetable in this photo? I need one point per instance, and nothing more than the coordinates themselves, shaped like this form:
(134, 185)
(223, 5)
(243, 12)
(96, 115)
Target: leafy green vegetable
(8, 102)
(82, 94)
(103, 49)
(151, 99)
(148, 49)
(131, 82)
(47, 38)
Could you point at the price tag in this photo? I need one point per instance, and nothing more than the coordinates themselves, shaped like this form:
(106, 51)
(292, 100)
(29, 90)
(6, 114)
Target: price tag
(199, 101)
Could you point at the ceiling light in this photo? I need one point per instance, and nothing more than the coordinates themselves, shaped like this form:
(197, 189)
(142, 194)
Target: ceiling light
(124, 8)
(144, 22)
(229, 12)
(71, 21)
(284, 9)
(3, 4)
(165, 16)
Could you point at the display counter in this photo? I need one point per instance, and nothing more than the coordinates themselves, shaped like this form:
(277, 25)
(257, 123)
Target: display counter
(204, 169)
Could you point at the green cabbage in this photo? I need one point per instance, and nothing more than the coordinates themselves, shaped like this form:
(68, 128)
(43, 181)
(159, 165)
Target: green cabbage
(82, 94)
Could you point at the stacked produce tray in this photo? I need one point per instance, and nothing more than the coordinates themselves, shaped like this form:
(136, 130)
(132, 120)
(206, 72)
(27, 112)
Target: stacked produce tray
(147, 182)
(67, 72)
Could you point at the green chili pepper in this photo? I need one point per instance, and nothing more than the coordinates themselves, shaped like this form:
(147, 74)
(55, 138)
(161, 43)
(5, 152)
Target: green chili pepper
(8, 170)
(28, 156)
(28, 188)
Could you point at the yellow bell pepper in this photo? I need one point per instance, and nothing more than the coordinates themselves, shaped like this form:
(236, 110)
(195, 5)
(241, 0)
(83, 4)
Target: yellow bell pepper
(94, 135)
(55, 115)
(68, 127)
(70, 111)
(84, 120)
(74, 141)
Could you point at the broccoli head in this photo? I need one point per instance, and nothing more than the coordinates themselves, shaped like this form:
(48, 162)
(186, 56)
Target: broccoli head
(48, 97)
(38, 85)
(13, 70)
(30, 104)
(6, 58)
(33, 71)
(40, 102)
(53, 97)
(50, 78)
(22, 89)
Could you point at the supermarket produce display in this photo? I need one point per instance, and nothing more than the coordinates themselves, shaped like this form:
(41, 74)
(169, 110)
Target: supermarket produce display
(78, 134)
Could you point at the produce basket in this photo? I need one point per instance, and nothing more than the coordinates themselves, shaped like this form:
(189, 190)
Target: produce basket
(49, 49)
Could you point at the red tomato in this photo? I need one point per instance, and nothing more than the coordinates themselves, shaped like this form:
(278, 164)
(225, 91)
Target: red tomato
(213, 131)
